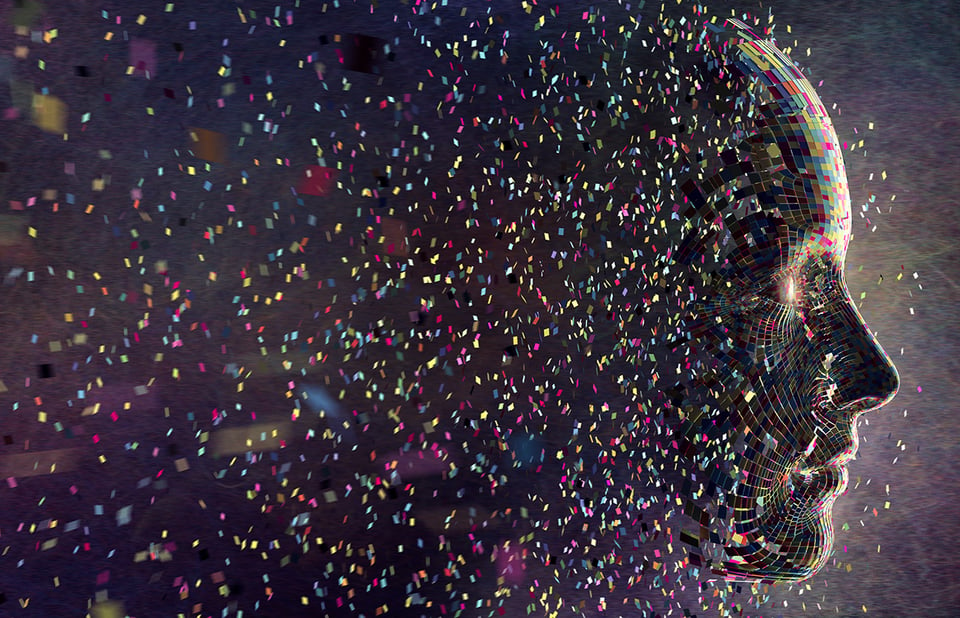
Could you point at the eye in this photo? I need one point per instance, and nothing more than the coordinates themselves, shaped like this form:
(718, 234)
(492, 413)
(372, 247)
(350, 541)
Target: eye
(788, 291)
(784, 291)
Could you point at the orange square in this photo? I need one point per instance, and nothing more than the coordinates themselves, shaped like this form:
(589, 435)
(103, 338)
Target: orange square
(208, 145)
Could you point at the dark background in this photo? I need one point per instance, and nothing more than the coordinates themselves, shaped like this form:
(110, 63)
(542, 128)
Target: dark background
(890, 64)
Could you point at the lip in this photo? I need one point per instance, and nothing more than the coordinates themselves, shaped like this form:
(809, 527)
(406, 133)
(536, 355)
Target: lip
(837, 460)
(843, 443)
(802, 467)
(842, 455)
(819, 482)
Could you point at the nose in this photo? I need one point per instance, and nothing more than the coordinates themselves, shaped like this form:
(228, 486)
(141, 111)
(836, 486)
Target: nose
(864, 376)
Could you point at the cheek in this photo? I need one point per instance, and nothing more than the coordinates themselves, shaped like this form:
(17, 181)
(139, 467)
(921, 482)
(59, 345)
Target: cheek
(775, 333)
(784, 378)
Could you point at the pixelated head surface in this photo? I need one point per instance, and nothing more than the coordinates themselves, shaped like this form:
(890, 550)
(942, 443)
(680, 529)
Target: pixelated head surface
(782, 362)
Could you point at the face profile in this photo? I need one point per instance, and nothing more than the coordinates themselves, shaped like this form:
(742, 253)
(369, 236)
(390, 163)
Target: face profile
(793, 364)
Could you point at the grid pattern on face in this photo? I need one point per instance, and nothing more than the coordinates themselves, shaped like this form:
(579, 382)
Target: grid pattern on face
(788, 346)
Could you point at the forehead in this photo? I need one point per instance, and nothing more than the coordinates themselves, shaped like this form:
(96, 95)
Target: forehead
(808, 178)
(800, 150)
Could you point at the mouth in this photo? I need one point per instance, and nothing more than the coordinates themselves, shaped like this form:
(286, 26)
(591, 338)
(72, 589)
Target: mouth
(835, 442)
(802, 489)
(806, 481)
(820, 473)
(836, 449)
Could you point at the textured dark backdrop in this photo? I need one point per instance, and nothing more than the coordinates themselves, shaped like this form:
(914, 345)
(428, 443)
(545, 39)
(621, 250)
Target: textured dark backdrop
(896, 65)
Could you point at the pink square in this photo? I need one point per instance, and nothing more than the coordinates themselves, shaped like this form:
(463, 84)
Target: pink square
(143, 57)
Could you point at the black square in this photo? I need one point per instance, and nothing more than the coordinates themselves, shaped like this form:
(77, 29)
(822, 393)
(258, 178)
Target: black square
(183, 221)
(323, 39)
(178, 47)
(168, 92)
(82, 71)
(8, 440)
(363, 53)
(203, 554)
(45, 370)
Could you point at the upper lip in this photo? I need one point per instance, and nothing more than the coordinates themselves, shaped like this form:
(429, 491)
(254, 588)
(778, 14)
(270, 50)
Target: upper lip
(842, 443)
(841, 458)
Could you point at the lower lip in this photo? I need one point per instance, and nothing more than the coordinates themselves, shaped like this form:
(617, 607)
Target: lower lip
(818, 482)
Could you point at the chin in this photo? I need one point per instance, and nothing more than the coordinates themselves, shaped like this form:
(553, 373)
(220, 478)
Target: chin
(790, 544)
(778, 567)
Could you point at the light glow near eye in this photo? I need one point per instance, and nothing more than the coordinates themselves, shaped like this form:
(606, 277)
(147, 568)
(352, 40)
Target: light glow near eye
(790, 291)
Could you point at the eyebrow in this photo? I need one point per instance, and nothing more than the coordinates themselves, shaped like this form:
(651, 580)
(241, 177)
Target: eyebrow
(820, 238)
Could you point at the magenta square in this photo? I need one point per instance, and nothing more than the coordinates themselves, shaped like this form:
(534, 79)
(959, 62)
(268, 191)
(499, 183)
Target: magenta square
(143, 57)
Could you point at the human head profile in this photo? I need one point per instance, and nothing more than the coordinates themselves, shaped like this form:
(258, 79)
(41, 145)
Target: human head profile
(799, 365)
(695, 277)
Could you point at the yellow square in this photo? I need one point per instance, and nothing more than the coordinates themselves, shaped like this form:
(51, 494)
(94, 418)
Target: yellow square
(49, 113)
